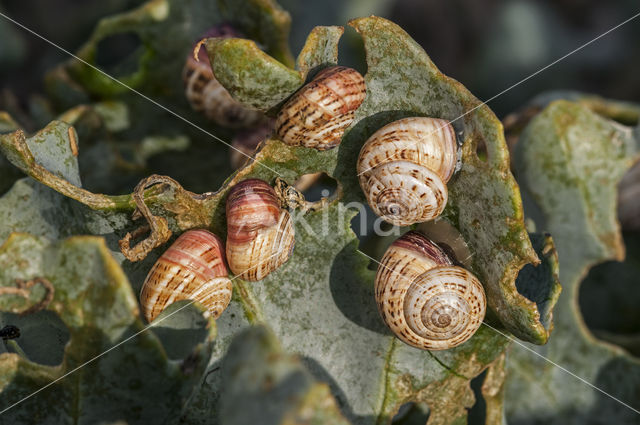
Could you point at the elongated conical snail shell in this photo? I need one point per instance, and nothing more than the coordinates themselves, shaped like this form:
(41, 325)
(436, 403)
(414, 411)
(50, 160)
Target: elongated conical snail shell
(260, 235)
(205, 94)
(318, 114)
(192, 268)
(404, 167)
(424, 299)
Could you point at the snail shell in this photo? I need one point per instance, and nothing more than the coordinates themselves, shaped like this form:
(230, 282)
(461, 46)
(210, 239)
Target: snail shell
(404, 167)
(260, 235)
(424, 299)
(318, 114)
(206, 94)
(192, 268)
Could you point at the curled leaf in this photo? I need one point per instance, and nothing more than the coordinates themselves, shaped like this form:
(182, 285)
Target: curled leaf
(132, 377)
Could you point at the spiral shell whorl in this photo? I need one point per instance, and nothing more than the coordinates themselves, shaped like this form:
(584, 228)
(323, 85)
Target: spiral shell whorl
(318, 114)
(408, 159)
(192, 268)
(260, 235)
(404, 193)
(425, 300)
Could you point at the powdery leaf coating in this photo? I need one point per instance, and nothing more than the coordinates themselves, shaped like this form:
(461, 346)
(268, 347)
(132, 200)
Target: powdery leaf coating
(94, 301)
(261, 381)
(340, 334)
(570, 161)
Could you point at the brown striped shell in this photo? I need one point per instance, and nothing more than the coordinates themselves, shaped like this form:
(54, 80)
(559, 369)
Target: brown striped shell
(404, 167)
(205, 94)
(318, 114)
(260, 235)
(424, 299)
(192, 268)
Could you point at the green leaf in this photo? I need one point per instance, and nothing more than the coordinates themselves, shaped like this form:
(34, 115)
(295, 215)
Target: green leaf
(250, 75)
(262, 20)
(484, 200)
(320, 304)
(259, 80)
(95, 308)
(570, 161)
(264, 385)
(496, 235)
(321, 48)
(167, 30)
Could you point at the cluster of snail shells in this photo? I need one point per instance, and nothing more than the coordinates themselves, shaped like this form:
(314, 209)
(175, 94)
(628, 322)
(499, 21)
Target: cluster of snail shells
(426, 300)
(404, 167)
(260, 238)
(205, 93)
(318, 114)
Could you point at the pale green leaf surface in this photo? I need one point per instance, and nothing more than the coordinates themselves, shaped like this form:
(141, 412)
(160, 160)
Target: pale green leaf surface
(320, 304)
(260, 81)
(250, 75)
(570, 161)
(97, 308)
(484, 202)
(264, 385)
(167, 31)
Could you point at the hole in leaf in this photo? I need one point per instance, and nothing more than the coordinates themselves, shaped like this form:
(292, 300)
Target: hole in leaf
(43, 336)
(478, 411)
(481, 150)
(411, 413)
(351, 51)
(119, 54)
(316, 186)
(609, 298)
(533, 284)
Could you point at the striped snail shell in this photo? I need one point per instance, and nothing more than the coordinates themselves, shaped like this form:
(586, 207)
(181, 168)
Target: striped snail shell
(192, 268)
(319, 113)
(205, 94)
(424, 299)
(260, 235)
(404, 167)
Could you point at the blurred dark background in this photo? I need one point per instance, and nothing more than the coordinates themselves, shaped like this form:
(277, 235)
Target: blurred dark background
(487, 45)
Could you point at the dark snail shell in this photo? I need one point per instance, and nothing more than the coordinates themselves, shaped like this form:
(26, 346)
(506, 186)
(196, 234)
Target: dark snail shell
(425, 300)
(192, 268)
(260, 235)
(318, 114)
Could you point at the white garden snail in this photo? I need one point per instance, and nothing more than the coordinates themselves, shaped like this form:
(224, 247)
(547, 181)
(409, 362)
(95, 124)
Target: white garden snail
(192, 268)
(319, 113)
(404, 167)
(424, 299)
(260, 235)
(206, 94)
